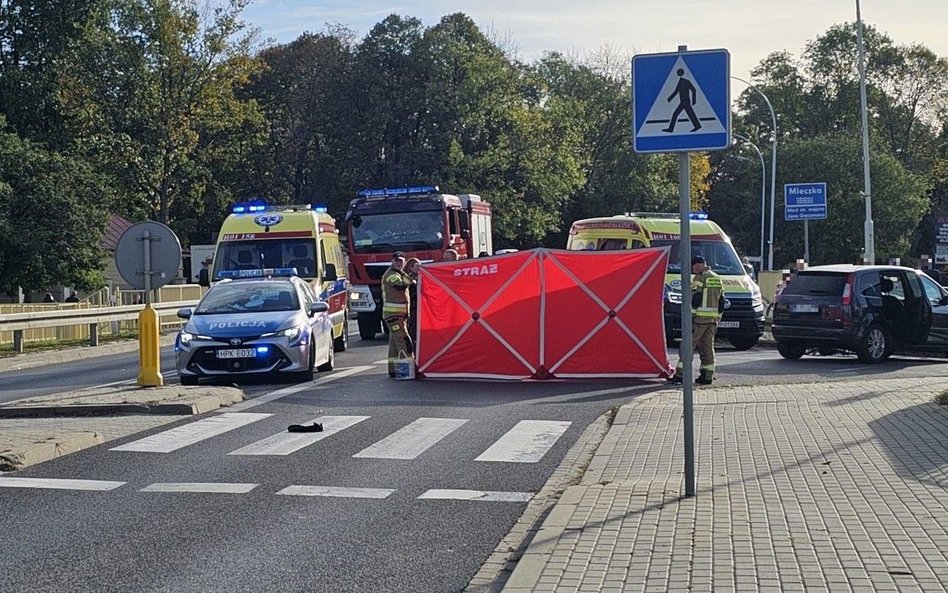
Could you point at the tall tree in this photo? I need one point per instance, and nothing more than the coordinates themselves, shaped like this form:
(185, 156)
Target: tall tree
(51, 221)
(899, 201)
(152, 89)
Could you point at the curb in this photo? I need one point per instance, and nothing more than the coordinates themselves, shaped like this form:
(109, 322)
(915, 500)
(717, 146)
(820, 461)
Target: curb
(185, 408)
(51, 448)
(538, 553)
(59, 444)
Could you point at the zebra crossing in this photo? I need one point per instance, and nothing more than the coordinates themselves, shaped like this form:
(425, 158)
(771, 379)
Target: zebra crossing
(528, 441)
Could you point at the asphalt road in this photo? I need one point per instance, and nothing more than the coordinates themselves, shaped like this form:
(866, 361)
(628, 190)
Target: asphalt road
(129, 540)
(370, 528)
(761, 365)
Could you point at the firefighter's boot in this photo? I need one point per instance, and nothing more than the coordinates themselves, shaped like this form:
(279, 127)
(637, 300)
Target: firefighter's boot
(704, 378)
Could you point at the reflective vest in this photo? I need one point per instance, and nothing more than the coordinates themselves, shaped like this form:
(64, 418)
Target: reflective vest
(394, 294)
(707, 292)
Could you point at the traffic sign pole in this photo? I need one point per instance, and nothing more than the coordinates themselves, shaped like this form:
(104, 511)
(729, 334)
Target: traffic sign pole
(686, 353)
(681, 102)
(806, 241)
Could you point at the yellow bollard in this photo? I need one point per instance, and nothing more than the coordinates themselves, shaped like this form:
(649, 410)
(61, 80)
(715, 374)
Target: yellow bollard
(149, 355)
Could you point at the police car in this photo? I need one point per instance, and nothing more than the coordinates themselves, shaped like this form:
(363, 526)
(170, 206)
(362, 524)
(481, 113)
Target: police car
(255, 322)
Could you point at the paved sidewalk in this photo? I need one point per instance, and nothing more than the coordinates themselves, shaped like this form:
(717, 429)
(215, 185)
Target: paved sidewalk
(837, 486)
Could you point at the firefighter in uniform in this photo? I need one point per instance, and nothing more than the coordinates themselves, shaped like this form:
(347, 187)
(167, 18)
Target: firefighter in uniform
(395, 310)
(707, 302)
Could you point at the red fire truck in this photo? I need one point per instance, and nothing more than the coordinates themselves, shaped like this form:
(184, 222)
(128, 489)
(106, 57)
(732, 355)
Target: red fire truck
(422, 222)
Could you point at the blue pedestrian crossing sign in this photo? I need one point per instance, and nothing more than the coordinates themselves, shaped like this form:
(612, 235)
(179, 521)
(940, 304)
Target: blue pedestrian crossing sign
(681, 102)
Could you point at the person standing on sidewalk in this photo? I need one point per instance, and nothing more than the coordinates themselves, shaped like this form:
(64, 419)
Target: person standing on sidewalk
(395, 310)
(707, 302)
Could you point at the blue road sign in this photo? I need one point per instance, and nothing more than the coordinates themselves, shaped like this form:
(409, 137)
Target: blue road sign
(681, 102)
(804, 201)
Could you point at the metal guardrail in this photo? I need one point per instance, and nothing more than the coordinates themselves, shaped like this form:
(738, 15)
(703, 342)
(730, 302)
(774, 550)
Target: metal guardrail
(93, 317)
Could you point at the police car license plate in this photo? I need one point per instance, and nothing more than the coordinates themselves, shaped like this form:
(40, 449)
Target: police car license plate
(729, 324)
(237, 353)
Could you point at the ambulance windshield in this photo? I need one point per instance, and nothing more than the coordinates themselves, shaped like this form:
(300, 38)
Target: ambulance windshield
(720, 256)
(377, 233)
(267, 253)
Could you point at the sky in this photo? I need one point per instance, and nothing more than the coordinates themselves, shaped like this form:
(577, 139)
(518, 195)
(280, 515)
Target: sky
(748, 29)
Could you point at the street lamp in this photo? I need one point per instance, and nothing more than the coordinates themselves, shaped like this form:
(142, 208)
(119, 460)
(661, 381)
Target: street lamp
(763, 190)
(773, 168)
(870, 256)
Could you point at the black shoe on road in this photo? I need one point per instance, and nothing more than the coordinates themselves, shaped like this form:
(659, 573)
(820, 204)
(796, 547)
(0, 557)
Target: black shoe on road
(702, 381)
(675, 380)
(314, 427)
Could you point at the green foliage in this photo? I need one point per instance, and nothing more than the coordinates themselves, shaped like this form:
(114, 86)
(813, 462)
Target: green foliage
(898, 200)
(172, 111)
(816, 99)
(51, 222)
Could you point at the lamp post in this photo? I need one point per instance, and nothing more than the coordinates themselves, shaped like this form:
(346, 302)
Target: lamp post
(870, 256)
(763, 190)
(773, 169)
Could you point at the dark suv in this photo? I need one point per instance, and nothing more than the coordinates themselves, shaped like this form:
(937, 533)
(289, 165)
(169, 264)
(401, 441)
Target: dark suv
(870, 310)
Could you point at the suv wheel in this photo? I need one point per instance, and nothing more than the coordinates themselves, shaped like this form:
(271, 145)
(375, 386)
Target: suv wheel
(791, 351)
(876, 344)
(744, 342)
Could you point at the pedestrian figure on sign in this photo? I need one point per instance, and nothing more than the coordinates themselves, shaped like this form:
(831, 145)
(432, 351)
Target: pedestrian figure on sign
(687, 97)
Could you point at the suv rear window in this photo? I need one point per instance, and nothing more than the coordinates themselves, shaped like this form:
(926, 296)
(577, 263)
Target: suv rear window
(817, 283)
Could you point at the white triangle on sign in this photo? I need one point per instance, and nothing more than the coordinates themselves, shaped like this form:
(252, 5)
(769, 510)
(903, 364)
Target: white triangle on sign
(668, 102)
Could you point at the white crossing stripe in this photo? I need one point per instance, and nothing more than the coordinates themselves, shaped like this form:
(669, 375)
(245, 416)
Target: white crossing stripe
(336, 492)
(56, 484)
(275, 395)
(284, 443)
(527, 442)
(479, 495)
(195, 432)
(214, 487)
(412, 440)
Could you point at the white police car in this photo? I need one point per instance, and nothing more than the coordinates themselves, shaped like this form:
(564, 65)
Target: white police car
(255, 322)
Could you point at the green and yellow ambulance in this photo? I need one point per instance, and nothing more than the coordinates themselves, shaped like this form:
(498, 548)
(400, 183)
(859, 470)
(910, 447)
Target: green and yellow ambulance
(257, 235)
(743, 320)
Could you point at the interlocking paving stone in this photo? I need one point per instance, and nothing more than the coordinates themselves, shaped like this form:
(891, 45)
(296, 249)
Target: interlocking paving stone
(836, 486)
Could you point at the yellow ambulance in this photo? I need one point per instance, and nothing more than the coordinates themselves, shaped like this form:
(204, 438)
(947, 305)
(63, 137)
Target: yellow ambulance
(743, 320)
(257, 235)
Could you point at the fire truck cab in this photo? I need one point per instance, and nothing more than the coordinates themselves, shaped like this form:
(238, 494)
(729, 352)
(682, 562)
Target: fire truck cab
(422, 222)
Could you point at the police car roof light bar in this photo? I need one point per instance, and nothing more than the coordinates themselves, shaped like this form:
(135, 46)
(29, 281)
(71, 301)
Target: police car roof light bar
(397, 191)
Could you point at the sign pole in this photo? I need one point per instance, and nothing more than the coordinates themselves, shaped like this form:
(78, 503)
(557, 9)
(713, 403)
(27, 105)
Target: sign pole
(806, 240)
(681, 102)
(686, 353)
